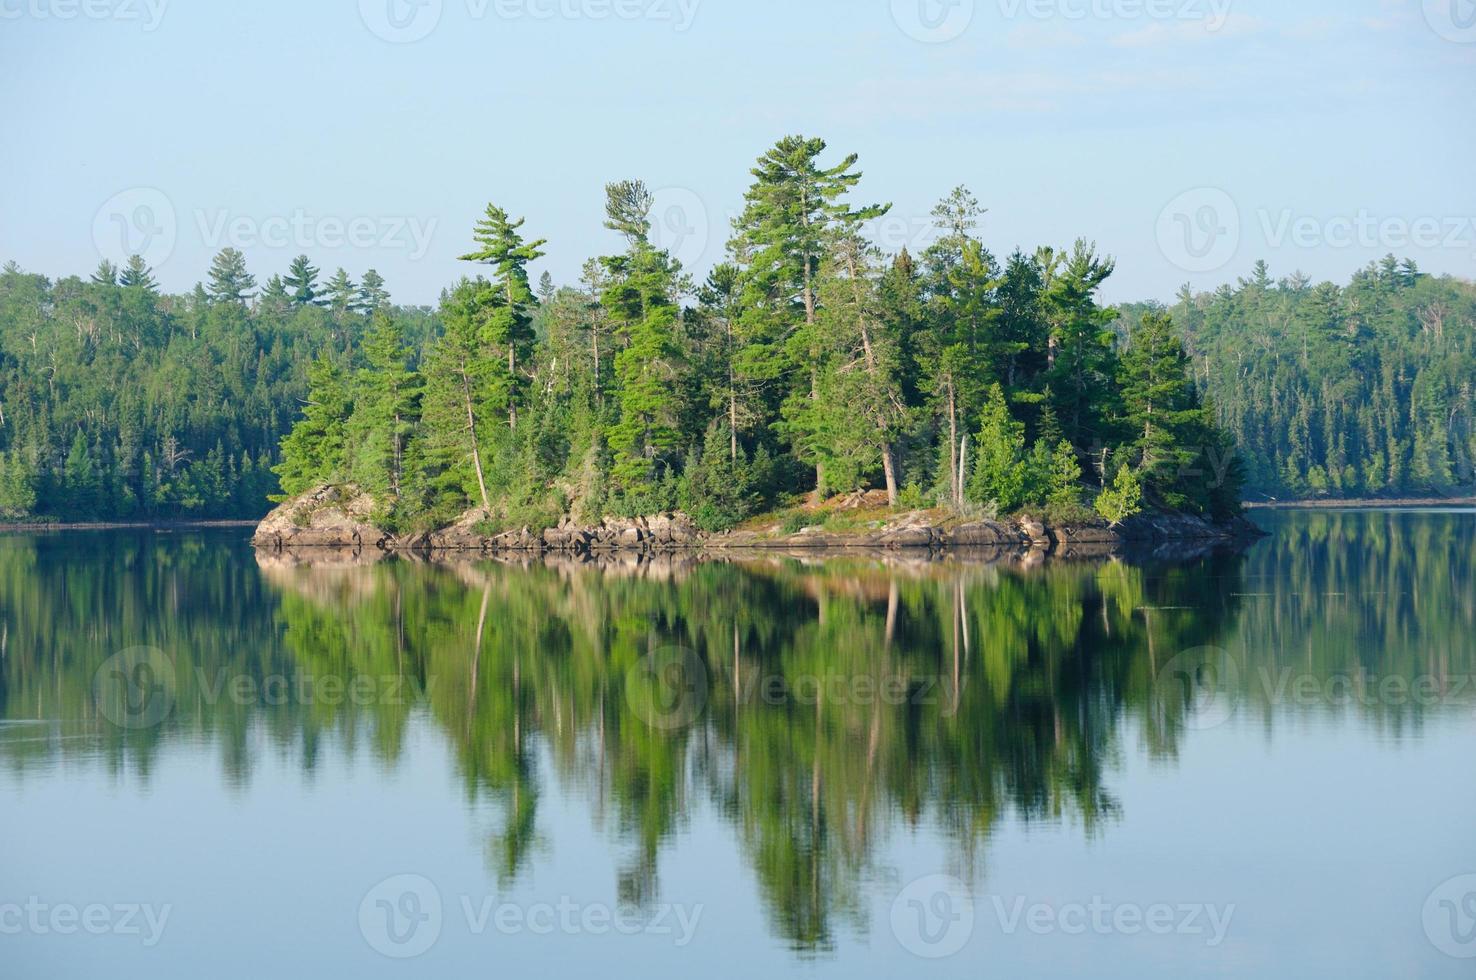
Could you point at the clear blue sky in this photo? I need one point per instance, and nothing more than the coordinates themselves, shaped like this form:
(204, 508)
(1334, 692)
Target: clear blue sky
(1187, 137)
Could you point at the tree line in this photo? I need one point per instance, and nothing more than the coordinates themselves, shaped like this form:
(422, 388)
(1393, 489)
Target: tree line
(808, 362)
(1357, 391)
(120, 402)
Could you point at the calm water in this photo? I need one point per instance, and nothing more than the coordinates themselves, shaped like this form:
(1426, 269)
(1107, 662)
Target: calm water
(1257, 764)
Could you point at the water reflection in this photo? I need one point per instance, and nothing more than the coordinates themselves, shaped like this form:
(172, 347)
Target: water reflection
(821, 708)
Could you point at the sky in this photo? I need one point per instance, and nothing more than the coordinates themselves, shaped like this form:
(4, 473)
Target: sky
(1187, 138)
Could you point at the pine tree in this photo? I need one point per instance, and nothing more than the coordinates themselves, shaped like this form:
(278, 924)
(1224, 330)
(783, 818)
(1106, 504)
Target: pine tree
(17, 486)
(137, 273)
(386, 407)
(301, 282)
(508, 324)
(1001, 473)
(372, 294)
(861, 412)
(459, 396)
(314, 452)
(106, 274)
(80, 478)
(1065, 476)
(229, 280)
(780, 241)
(275, 300)
(1169, 424)
(1083, 366)
(641, 299)
(342, 295)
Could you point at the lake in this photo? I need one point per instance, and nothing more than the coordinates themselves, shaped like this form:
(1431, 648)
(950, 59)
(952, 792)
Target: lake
(1245, 764)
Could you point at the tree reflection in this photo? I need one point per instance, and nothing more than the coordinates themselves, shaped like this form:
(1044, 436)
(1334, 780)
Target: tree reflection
(819, 708)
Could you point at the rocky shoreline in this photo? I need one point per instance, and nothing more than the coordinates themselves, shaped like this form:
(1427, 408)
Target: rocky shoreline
(340, 519)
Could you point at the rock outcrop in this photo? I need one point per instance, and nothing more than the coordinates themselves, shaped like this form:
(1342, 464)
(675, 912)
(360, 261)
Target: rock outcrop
(339, 518)
(326, 517)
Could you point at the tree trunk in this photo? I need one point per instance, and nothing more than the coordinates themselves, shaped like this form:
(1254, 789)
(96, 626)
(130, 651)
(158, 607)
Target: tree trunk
(512, 398)
(963, 464)
(955, 471)
(471, 427)
(732, 400)
(889, 467)
(889, 464)
(594, 333)
(395, 469)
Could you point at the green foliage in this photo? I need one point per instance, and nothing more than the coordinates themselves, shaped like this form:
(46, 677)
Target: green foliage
(1170, 427)
(1123, 499)
(229, 280)
(1360, 391)
(718, 491)
(1001, 473)
(17, 486)
(301, 283)
(913, 497)
(386, 409)
(1064, 475)
(640, 298)
(810, 361)
(315, 452)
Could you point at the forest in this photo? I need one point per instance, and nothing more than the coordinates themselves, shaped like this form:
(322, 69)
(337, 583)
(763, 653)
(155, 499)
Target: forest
(1363, 391)
(119, 402)
(809, 363)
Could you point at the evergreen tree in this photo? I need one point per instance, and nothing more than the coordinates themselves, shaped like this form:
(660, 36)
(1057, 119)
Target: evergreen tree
(82, 485)
(106, 274)
(314, 453)
(372, 295)
(342, 295)
(301, 282)
(386, 407)
(137, 273)
(460, 393)
(1001, 473)
(229, 281)
(1163, 410)
(275, 300)
(640, 298)
(508, 320)
(1083, 363)
(780, 240)
(17, 486)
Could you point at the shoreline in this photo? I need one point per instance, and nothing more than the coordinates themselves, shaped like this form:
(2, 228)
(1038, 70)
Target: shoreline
(338, 519)
(51, 526)
(817, 541)
(1376, 503)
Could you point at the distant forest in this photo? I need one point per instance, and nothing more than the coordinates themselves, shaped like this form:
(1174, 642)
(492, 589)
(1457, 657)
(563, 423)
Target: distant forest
(1360, 391)
(807, 361)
